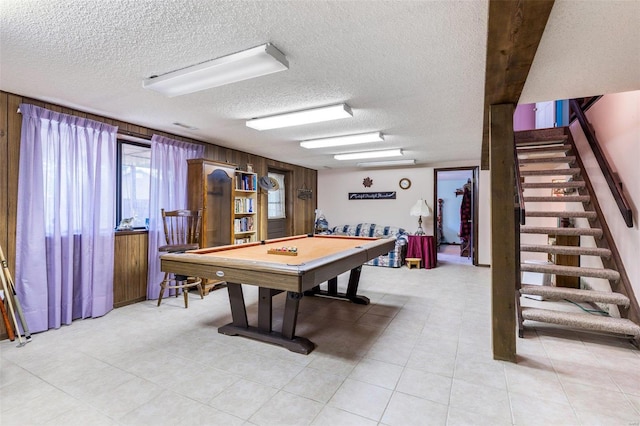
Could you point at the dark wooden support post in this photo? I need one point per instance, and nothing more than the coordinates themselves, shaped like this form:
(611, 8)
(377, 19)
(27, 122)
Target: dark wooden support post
(504, 253)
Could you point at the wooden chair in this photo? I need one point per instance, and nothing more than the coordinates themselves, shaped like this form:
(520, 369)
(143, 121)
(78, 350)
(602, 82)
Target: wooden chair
(182, 232)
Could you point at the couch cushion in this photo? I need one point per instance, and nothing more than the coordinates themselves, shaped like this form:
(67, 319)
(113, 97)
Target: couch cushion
(368, 230)
(387, 231)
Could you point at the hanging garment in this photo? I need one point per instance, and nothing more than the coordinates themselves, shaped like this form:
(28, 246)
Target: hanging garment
(465, 221)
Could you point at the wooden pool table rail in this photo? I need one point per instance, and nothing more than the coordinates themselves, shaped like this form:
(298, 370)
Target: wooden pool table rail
(280, 276)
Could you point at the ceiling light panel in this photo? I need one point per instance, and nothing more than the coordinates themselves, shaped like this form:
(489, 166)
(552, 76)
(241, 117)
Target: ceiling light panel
(343, 140)
(387, 163)
(297, 118)
(251, 63)
(369, 154)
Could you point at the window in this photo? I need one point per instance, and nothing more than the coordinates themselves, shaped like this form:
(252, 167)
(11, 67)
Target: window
(132, 191)
(276, 198)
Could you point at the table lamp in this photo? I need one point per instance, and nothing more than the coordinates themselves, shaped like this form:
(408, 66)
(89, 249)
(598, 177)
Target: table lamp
(421, 208)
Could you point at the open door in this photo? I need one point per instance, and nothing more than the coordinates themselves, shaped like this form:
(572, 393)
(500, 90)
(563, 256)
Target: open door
(456, 214)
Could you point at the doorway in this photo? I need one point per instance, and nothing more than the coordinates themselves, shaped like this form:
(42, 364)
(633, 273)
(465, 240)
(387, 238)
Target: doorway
(279, 205)
(456, 214)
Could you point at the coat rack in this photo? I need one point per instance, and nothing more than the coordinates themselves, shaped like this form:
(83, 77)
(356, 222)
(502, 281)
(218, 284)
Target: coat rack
(440, 230)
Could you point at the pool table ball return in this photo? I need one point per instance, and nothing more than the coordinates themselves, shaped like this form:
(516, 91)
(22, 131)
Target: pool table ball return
(317, 259)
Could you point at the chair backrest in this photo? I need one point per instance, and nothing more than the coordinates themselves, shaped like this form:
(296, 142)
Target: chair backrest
(182, 226)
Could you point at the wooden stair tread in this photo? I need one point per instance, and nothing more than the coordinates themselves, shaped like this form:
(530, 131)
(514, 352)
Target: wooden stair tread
(559, 199)
(545, 149)
(588, 214)
(572, 184)
(583, 321)
(551, 172)
(571, 271)
(577, 295)
(540, 140)
(568, 250)
(537, 160)
(592, 232)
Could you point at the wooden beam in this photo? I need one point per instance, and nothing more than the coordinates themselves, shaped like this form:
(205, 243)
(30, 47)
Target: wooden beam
(514, 31)
(504, 253)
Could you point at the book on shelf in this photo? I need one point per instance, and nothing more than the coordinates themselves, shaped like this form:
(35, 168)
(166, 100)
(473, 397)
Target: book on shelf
(243, 224)
(242, 240)
(246, 182)
(244, 205)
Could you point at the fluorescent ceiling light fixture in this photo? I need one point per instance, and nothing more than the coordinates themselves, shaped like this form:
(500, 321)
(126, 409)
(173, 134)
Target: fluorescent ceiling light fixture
(369, 154)
(297, 118)
(254, 62)
(185, 126)
(343, 140)
(387, 163)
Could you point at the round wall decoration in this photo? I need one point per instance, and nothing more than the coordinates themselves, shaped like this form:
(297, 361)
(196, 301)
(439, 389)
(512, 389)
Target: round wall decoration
(405, 183)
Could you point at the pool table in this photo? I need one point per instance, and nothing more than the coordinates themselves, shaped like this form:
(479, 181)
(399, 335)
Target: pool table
(317, 258)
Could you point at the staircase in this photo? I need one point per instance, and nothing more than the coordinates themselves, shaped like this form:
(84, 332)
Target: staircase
(555, 192)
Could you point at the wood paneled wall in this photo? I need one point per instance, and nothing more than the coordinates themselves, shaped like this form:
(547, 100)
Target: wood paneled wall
(10, 126)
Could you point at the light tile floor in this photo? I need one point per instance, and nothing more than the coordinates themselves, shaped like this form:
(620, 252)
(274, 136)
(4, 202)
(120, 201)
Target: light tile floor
(419, 354)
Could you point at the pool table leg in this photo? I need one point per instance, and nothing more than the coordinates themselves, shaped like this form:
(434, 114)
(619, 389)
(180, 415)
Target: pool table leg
(236, 300)
(290, 317)
(265, 310)
(240, 327)
(352, 289)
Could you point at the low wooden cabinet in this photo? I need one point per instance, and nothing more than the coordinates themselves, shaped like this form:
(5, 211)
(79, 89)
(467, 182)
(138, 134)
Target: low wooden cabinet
(130, 267)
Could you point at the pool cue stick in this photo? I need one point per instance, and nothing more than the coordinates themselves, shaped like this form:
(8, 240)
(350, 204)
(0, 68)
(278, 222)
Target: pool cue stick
(14, 296)
(13, 314)
(5, 319)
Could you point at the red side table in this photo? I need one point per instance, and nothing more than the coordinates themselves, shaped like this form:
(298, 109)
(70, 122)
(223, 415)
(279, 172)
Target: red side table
(423, 247)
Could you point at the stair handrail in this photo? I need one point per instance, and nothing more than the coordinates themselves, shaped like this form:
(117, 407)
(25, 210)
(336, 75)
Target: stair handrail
(613, 179)
(519, 195)
(519, 214)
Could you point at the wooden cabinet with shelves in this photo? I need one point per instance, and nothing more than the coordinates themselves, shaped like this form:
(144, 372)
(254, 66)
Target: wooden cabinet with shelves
(245, 217)
(228, 199)
(211, 188)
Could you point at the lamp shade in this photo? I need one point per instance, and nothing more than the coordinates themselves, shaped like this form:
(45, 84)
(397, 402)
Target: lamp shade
(420, 208)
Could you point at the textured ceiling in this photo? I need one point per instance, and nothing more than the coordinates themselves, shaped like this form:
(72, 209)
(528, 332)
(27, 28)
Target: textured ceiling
(413, 70)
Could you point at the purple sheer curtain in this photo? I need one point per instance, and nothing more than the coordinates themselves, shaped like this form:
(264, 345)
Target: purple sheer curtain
(65, 224)
(168, 190)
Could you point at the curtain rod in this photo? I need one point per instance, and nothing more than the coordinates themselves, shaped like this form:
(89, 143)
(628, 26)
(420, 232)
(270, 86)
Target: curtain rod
(135, 137)
(130, 136)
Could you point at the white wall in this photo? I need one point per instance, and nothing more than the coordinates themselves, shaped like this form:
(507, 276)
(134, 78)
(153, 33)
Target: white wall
(334, 186)
(616, 120)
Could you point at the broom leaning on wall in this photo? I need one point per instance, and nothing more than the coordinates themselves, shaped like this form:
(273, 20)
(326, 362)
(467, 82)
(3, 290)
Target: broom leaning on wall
(11, 296)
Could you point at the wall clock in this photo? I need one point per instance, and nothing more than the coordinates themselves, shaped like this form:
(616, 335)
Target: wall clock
(405, 183)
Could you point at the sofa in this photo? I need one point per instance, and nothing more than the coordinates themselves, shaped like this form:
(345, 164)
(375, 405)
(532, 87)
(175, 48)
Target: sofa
(393, 259)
